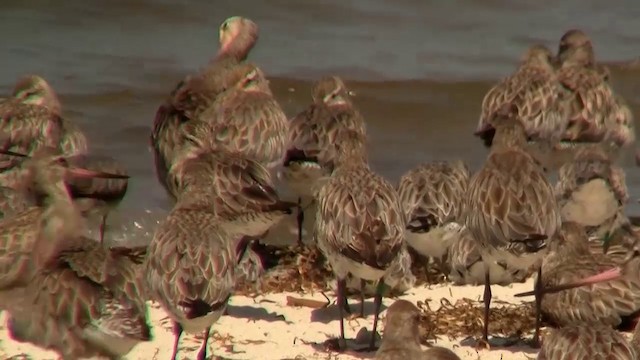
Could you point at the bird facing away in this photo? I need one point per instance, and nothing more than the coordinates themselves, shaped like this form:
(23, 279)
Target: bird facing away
(535, 92)
(510, 206)
(312, 138)
(194, 94)
(607, 303)
(432, 196)
(190, 269)
(591, 190)
(89, 303)
(238, 190)
(593, 341)
(596, 113)
(46, 227)
(359, 223)
(467, 268)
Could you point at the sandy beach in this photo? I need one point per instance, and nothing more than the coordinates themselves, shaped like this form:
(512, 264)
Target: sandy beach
(265, 327)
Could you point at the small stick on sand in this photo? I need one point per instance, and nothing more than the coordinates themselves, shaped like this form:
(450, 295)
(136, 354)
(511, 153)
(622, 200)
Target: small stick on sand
(315, 304)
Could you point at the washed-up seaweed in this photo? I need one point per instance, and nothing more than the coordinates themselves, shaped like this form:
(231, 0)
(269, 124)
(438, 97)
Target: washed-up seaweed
(304, 269)
(465, 318)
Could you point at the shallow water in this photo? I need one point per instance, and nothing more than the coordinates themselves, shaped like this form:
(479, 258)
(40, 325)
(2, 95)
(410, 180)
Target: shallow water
(418, 68)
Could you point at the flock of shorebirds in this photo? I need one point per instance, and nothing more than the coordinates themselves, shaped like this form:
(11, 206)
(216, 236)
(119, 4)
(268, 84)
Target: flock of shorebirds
(220, 138)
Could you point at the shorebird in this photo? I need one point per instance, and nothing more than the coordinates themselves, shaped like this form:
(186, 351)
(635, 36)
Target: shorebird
(194, 94)
(536, 94)
(88, 303)
(467, 268)
(359, 223)
(45, 227)
(606, 303)
(596, 113)
(510, 206)
(432, 196)
(99, 196)
(12, 202)
(32, 118)
(191, 268)
(312, 135)
(237, 189)
(594, 341)
(401, 339)
(247, 119)
(591, 191)
(90, 194)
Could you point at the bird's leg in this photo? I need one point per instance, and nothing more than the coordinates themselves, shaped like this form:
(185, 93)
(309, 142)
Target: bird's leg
(538, 295)
(342, 285)
(426, 268)
(377, 303)
(202, 354)
(103, 225)
(362, 285)
(177, 332)
(487, 303)
(300, 219)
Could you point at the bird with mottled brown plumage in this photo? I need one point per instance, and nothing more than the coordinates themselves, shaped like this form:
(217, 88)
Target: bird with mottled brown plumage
(593, 342)
(312, 138)
(196, 93)
(359, 223)
(596, 112)
(606, 303)
(432, 196)
(247, 119)
(238, 190)
(97, 196)
(401, 336)
(535, 92)
(591, 191)
(90, 302)
(510, 206)
(31, 118)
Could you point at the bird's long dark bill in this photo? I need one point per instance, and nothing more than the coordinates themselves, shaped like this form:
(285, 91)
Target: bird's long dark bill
(85, 173)
(607, 275)
(12, 153)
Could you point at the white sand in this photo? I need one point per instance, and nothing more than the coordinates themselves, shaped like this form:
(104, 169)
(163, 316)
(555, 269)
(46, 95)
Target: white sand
(253, 330)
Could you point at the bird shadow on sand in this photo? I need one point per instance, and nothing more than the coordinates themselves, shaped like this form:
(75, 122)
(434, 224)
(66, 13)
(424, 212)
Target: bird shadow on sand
(331, 313)
(514, 344)
(254, 313)
(357, 347)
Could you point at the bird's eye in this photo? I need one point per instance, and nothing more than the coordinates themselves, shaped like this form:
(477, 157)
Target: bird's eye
(224, 26)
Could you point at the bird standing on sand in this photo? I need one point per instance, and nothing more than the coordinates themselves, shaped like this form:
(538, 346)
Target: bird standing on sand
(537, 95)
(312, 138)
(196, 93)
(46, 227)
(607, 303)
(593, 341)
(247, 119)
(592, 191)
(239, 190)
(359, 223)
(401, 340)
(467, 267)
(510, 207)
(432, 196)
(596, 113)
(97, 196)
(90, 303)
(190, 268)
